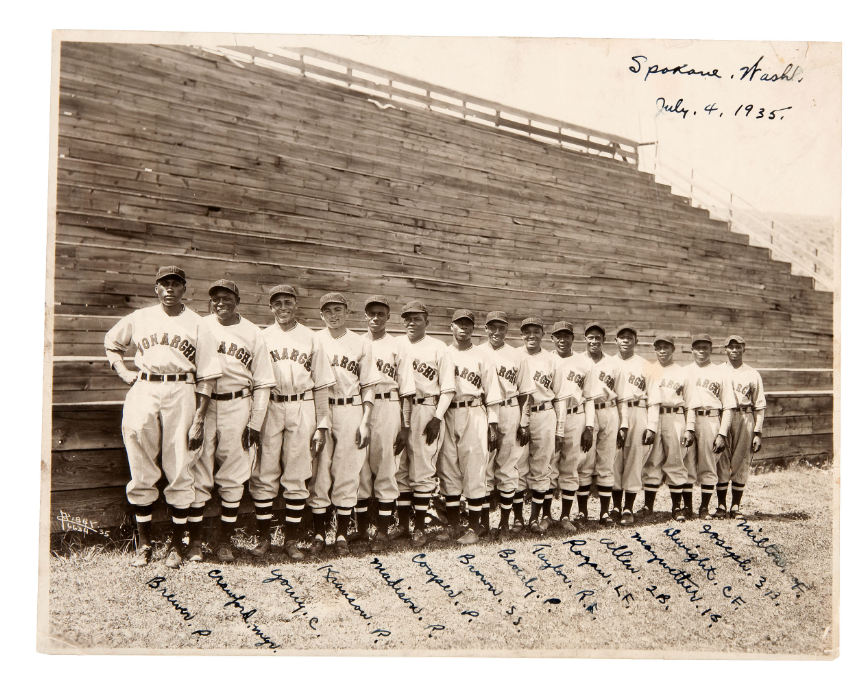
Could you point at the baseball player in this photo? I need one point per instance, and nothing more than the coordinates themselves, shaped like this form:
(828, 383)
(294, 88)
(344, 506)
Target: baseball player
(391, 421)
(502, 472)
(708, 391)
(602, 386)
(163, 414)
(295, 427)
(634, 444)
(666, 420)
(434, 381)
(470, 427)
(579, 421)
(542, 423)
(336, 472)
(745, 431)
(236, 412)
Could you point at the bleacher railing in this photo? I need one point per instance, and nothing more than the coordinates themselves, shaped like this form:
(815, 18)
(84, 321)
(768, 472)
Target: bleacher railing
(389, 89)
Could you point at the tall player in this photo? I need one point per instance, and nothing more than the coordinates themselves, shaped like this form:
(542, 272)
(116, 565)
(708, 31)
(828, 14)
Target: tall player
(708, 391)
(296, 424)
(579, 421)
(391, 421)
(502, 472)
(434, 382)
(745, 431)
(234, 418)
(163, 413)
(336, 472)
(470, 429)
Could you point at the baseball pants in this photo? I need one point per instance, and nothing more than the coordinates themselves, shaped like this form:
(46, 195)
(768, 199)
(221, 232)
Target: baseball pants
(463, 458)
(630, 460)
(336, 472)
(502, 472)
(700, 460)
(565, 465)
(224, 462)
(416, 470)
(286, 454)
(157, 417)
(535, 461)
(735, 460)
(667, 455)
(597, 463)
(378, 474)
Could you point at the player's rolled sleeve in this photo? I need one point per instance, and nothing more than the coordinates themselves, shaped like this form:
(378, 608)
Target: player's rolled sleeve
(446, 372)
(207, 363)
(322, 372)
(262, 365)
(117, 339)
(759, 401)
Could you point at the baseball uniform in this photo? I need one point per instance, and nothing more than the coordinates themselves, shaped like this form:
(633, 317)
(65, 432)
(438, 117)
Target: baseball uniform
(633, 401)
(579, 414)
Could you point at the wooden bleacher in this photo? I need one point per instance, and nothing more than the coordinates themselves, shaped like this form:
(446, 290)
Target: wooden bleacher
(177, 155)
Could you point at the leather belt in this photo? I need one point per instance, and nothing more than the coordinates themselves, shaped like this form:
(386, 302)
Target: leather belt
(289, 397)
(392, 395)
(637, 402)
(545, 406)
(426, 401)
(604, 404)
(349, 401)
(177, 377)
(512, 401)
(470, 403)
(574, 409)
(745, 409)
(225, 396)
(708, 412)
(672, 409)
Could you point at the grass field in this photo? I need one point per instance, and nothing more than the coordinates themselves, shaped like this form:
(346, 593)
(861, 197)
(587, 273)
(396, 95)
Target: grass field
(718, 586)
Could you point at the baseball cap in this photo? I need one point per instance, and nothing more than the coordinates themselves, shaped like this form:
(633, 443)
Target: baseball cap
(531, 320)
(664, 338)
(284, 288)
(496, 316)
(165, 271)
(376, 299)
(414, 306)
(594, 324)
(561, 325)
(332, 298)
(626, 326)
(701, 337)
(462, 313)
(733, 338)
(229, 285)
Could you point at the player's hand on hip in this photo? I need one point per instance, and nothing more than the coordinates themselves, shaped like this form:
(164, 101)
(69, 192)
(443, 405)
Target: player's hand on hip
(719, 444)
(251, 436)
(688, 438)
(523, 435)
(587, 438)
(195, 437)
(401, 440)
(621, 439)
(432, 429)
(492, 437)
(648, 437)
(316, 442)
(361, 439)
(757, 443)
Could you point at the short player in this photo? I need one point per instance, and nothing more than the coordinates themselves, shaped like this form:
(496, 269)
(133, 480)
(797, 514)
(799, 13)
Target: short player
(336, 472)
(434, 382)
(234, 418)
(502, 473)
(602, 386)
(708, 391)
(666, 420)
(542, 423)
(295, 427)
(634, 445)
(470, 427)
(163, 414)
(391, 421)
(745, 432)
(578, 425)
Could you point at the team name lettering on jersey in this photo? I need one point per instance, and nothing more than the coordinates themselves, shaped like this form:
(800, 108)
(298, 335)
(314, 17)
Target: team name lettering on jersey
(713, 387)
(343, 362)
(509, 374)
(637, 381)
(543, 380)
(576, 378)
(181, 344)
(301, 358)
(469, 376)
(671, 384)
(607, 379)
(239, 353)
(745, 390)
(425, 370)
(387, 369)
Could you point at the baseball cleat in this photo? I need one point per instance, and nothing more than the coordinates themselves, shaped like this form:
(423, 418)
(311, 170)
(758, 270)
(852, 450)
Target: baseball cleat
(378, 542)
(261, 547)
(606, 519)
(317, 547)
(645, 514)
(224, 553)
(566, 526)
(444, 534)
(720, 512)
(399, 532)
(544, 524)
(518, 526)
(704, 513)
(470, 537)
(679, 515)
(342, 547)
(418, 537)
(142, 556)
(735, 512)
(195, 554)
(173, 559)
(534, 526)
(580, 518)
(627, 518)
(293, 551)
(615, 513)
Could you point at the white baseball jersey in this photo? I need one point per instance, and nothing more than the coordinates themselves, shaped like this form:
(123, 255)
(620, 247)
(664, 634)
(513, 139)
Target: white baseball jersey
(666, 384)
(709, 386)
(474, 375)
(574, 375)
(542, 376)
(243, 354)
(747, 384)
(166, 345)
(351, 361)
(299, 362)
(633, 378)
(507, 361)
(389, 361)
(433, 367)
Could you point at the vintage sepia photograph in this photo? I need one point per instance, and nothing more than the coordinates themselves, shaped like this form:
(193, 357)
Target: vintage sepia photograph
(401, 345)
